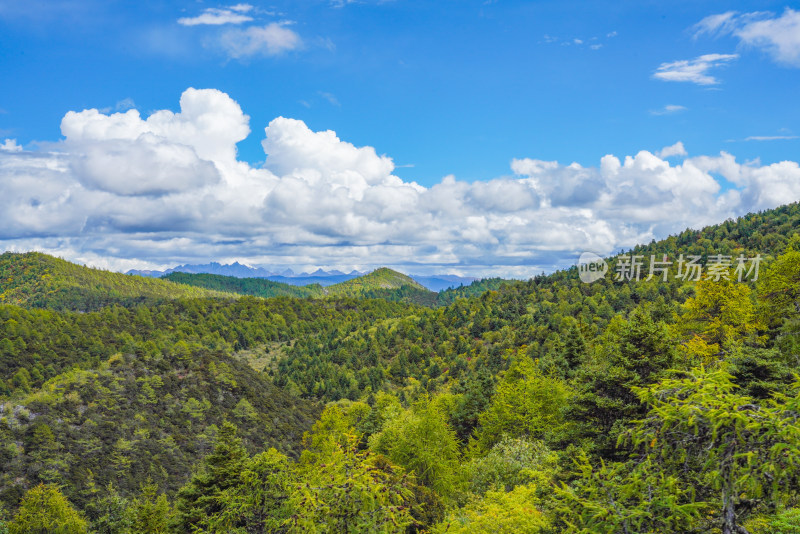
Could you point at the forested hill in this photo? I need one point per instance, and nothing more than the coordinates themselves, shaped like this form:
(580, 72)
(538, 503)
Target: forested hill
(383, 278)
(545, 406)
(382, 283)
(131, 395)
(37, 280)
(257, 287)
(766, 233)
(379, 279)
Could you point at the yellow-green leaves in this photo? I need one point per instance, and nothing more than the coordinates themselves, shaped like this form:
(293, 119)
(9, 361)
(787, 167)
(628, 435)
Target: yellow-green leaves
(721, 313)
(526, 404)
(44, 510)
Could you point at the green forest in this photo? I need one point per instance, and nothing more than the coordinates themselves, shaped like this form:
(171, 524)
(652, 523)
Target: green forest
(208, 404)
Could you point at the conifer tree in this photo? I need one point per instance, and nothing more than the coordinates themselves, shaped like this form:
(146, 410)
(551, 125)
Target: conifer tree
(44, 510)
(219, 471)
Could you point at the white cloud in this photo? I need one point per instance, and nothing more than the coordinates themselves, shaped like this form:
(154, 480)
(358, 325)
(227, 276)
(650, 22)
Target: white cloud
(673, 150)
(242, 8)
(121, 191)
(10, 145)
(779, 36)
(669, 109)
(293, 149)
(161, 167)
(218, 16)
(270, 40)
(209, 121)
(770, 137)
(722, 22)
(693, 70)
(343, 3)
(125, 104)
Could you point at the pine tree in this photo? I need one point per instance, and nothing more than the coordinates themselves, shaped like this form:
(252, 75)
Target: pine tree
(199, 499)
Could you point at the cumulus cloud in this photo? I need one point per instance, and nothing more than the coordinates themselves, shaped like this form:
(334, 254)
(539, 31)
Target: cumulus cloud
(218, 16)
(121, 191)
(293, 149)
(270, 40)
(10, 145)
(162, 167)
(209, 121)
(693, 70)
(778, 36)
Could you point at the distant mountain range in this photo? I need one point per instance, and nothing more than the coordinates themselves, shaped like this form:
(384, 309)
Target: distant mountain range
(36, 280)
(324, 278)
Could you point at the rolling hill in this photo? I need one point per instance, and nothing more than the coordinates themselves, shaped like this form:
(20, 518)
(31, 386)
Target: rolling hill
(138, 393)
(383, 278)
(382, 283)
(36, 280)
(436, 282)
(256, 287)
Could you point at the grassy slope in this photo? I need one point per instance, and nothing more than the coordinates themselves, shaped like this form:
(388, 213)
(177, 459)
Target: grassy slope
(36, 280)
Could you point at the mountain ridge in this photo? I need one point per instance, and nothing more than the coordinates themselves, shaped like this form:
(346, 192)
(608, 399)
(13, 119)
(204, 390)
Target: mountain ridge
(436, 282)
(38, 280)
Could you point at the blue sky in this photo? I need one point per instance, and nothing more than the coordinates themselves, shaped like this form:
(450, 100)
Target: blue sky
(478, 90)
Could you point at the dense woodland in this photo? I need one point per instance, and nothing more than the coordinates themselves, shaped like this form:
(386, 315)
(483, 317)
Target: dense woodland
(195, 404)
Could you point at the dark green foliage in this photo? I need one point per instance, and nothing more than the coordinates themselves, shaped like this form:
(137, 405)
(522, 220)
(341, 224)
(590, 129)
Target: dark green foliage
(477, 393)
(44, 343)
(633, 353)
(257, 287)
(760, 372)
(259, 503)
(476, 288)
(109, 512)
(220, 471)
(405, 293)
(569, 352)
(139, 416)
